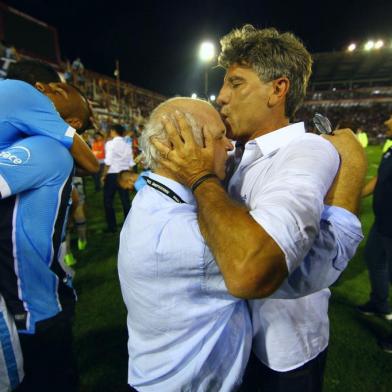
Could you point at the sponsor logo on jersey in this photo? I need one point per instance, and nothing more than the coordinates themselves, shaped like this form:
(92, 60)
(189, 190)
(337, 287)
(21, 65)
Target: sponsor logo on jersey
(16, 155)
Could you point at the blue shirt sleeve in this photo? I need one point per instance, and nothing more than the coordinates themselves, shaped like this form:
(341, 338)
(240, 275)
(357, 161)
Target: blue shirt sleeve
(338, 239)
(141, 182)
(24, 111)
(32, 163)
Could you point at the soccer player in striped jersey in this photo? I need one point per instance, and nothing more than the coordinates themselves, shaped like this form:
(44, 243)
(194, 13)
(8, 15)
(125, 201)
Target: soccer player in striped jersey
(35, 186)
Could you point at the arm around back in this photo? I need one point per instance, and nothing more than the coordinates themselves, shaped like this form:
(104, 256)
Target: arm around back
(83, 155)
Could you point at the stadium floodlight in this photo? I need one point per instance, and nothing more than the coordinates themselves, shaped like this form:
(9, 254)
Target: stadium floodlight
(207, 51)
(206, 55)
(212, 98)
(352, 47)
(379, 44)
(369, 45)
(193, 95)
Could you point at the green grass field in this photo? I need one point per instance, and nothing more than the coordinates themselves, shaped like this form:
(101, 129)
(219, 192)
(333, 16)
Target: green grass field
(355, 363)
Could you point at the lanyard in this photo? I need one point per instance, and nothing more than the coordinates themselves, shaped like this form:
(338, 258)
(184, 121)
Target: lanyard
(163, 189)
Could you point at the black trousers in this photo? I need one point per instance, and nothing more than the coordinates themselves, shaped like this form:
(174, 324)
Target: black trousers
(378, 257)
(307, 378)
(49, 361)
(109, 190)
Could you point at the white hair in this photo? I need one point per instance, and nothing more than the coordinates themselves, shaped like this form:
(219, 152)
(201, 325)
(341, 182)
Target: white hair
(154, 129)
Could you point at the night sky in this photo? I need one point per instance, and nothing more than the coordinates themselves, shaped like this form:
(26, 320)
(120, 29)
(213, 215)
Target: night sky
(157, 42)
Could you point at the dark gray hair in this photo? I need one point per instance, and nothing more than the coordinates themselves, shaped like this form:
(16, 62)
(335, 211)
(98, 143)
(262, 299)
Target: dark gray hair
(271, 55)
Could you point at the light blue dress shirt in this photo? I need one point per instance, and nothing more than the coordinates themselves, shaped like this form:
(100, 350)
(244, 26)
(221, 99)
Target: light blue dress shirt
(186, 332)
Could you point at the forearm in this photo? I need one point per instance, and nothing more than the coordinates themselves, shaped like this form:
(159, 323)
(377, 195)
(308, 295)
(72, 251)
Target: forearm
(83, 155)
(368, 189)
(250, 261)
(346, 191)
(347, 187)
(347, 197)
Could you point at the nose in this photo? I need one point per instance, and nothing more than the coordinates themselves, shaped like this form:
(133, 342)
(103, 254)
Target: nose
(229, 144)
(224, 96)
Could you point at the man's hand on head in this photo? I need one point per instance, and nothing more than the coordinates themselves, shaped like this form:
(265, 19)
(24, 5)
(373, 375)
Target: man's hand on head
(346, 189)
(185, 159)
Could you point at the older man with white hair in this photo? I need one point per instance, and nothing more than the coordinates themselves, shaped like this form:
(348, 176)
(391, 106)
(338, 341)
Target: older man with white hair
(185, 329)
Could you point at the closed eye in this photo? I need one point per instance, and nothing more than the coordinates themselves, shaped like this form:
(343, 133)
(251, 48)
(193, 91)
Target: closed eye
(235, 82)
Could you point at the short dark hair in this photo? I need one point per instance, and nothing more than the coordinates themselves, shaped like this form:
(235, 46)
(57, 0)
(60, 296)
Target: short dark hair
(33, 71)
(118, 128)
(88, 114)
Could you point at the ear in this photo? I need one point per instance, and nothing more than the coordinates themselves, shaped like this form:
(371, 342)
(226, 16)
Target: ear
(74, 122)
(60, 89)
(280, 88)
(40, 87)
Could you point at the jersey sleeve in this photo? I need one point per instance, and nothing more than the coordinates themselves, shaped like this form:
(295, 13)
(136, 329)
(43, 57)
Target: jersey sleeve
(32, 113)
(32, 163)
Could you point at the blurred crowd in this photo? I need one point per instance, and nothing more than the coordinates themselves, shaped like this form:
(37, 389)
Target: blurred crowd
(8, 55)
(368, 117)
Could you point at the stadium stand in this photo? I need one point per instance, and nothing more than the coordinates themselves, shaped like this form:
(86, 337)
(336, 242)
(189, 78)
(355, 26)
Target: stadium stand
(353, 89)
(112, 100)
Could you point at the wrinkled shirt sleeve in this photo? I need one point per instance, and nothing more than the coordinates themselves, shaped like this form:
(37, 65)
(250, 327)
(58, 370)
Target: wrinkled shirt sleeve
(338, 239)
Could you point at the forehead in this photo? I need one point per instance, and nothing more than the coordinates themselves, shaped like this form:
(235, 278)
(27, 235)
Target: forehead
(210, 117)
(203, 112)
(240, 72)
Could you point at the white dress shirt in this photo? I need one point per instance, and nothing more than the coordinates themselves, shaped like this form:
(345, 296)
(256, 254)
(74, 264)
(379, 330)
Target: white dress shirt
(118, 155)
(283, 178)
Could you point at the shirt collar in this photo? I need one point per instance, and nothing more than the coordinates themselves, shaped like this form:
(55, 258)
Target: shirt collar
(184, 192)
(274, 140)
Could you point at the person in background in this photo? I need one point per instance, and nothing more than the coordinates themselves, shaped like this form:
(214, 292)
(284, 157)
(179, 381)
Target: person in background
(135, 140)
(378, 249)
(388, 134)
(77, 220)
(118, 157)
(362, 137)
(98, 148)
(128, 179)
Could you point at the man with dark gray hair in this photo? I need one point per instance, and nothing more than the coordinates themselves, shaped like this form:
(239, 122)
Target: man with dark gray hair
(283, 179)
